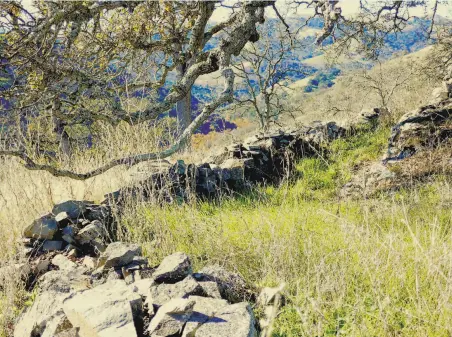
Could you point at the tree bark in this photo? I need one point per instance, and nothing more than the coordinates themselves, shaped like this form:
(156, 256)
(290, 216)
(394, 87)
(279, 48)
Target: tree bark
(183, 107)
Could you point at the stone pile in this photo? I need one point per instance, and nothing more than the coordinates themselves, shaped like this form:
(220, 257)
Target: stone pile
(263, 158)
(118, 295)
(73, 226)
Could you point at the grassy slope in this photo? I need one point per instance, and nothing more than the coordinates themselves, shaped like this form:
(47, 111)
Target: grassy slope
(376, 267)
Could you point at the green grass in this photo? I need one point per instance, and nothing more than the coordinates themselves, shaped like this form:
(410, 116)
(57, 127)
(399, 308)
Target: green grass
(372, 267)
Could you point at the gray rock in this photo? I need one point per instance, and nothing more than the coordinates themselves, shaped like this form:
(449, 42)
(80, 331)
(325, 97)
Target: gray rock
(63, 219)
(63, 262)
(173, 268)
(64, 281)
(40, 266)
(115, 274)
(171, 318)
(44, 318)
(203, 310)
(89, 262)
(211, 289)
(119, 254)
(231, 285)
(68, 234)
(105, 311)
(236, 320)
(142, 286)
(91, 232)
(73, 208)
(161, 293)
(50, 245)
(42, 228)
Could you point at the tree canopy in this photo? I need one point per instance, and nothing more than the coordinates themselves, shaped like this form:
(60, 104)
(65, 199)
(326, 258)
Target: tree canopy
(76, 61)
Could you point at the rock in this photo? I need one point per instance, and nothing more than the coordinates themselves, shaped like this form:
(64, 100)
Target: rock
(159, 294)
(420, 129)
(105, 311)
(231, 285)
(368, 180)
(236, 320)
(73, 208)
(63, 219)
(173, 268)
(44, 318)
(119, 254)
(40, 266)
(50, 245)
(64, 281)
(63, 263)
(211, 289)
(68, 234)
(91, 232)
(203, 310)
(142, 286)
(115, 274)
(171, 317)
(90, 262)
(42, 228)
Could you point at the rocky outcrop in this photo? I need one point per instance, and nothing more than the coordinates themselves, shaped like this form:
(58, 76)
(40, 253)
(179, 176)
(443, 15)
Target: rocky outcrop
(422, 129)
(74, 299)
(420, 145)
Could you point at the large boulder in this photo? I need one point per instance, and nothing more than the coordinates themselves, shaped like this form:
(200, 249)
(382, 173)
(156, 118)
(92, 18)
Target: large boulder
(43, 228)
(173, 268)
(108, 310)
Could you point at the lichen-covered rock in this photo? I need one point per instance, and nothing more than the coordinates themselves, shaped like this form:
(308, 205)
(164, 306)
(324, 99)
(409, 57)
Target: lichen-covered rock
(173, 268)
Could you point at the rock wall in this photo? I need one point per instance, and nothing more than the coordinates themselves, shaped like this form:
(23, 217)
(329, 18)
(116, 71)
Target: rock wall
(263, 158)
